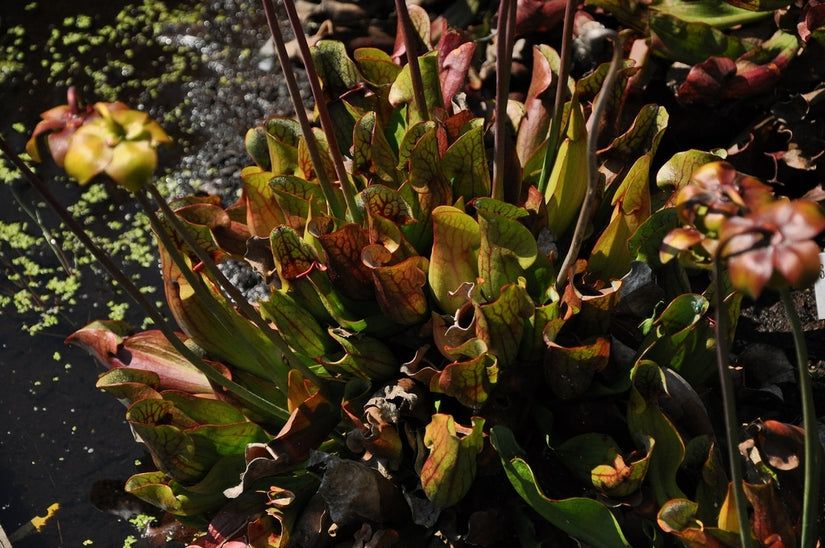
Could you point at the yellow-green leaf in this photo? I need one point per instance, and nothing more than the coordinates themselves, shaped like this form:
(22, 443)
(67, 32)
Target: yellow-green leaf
(450, 468)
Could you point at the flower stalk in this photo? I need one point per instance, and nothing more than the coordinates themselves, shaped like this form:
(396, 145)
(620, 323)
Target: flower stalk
(344, 179)
(336, 209)
(813, 449)
(729, 409)
(504, 57)
(594, 186)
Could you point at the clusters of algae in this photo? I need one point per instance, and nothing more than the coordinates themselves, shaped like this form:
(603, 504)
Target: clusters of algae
(44, 267)
(125, 59)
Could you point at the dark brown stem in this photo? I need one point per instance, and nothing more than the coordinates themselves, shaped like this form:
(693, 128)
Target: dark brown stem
(330, 194)
(323, 112)
(504, 55)
(554, 136)
(409, 33)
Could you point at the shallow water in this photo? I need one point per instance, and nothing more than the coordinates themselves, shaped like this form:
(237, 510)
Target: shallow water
(58, 434)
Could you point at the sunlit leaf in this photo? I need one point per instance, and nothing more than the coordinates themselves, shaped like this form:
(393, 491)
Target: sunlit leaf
(538, 104)
(293, 256)
(611, 254)
(299, 200)
(427, 173)
(720, 15)
(468, 381)
(371, 152)
(454, 258)
(581, 518)
(450, 468)
(402, 89)
(306, 168)
(130, 385)
(567, 184)
(500, 323)
(342, 253)
(465, 165)
(399, 286)
(507, 246)
(376, 66)
(262, 210)
(621, 479)
(146, 351)
(533, 343)
(651, 243)
(596, 459)
(337, 71)
(160, 426)
(171, 496)
(365, 357)
(677, 171)
(677, 517)
(454, 63)
(643, 135)
(691, 42)
(296, 325)
(282, 138)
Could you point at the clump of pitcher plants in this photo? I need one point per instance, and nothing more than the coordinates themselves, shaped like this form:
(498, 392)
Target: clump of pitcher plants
(471, 334)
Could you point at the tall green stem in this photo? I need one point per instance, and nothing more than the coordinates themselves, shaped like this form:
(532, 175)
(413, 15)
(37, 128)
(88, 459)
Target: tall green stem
(729, 407)
(250, 398)
(813, 450)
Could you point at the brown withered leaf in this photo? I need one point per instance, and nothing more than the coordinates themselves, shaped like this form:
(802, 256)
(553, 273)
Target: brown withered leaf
(353, 492)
